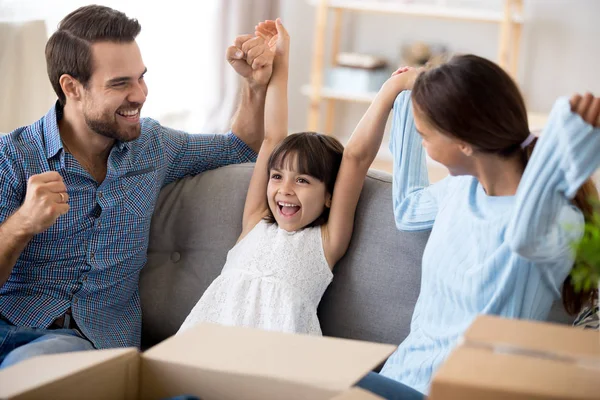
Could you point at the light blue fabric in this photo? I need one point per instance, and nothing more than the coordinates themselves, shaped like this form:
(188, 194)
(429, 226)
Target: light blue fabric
(505, 256)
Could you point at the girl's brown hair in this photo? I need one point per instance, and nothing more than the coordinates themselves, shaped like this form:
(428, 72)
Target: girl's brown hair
(476, 101)
(313, 154)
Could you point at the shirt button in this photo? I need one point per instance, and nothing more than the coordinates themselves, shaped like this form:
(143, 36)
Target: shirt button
(92, 255)
(84, 278)
(74, 301)
(99, 224)
(100, 194)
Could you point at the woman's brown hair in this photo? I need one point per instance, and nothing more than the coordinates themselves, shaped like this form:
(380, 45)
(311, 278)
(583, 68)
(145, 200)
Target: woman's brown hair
(476, 101)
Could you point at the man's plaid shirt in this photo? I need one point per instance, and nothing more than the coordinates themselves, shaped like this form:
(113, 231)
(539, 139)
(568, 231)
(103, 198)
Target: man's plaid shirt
(90, 259)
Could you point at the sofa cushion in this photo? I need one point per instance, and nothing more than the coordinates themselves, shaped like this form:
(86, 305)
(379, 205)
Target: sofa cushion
(195, 223)
(198, 219)
(377, 282)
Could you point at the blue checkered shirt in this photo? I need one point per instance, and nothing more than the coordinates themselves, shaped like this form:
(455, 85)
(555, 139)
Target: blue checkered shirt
(90, 259)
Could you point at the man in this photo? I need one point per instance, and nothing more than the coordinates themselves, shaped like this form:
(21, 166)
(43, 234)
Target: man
(78, 187)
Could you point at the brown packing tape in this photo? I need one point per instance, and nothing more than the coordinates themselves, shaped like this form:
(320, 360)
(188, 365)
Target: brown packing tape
(480, 374)
(534, 335)
(555, 355)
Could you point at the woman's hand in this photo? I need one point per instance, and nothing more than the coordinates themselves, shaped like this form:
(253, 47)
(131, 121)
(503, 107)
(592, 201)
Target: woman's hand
(402, 79)
(588, 107)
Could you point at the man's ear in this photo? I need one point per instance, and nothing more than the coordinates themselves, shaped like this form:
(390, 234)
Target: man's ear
(71, 87)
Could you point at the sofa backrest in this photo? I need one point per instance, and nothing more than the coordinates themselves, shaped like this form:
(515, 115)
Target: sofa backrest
(198, 219)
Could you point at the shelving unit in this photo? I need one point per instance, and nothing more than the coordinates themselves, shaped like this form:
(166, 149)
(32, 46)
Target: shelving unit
(420, 10)
(536, 120)
(510, 20)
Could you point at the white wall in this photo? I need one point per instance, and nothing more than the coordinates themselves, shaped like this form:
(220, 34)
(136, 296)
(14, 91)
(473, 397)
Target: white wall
(559, 55)
(560, 52)
(177, 50)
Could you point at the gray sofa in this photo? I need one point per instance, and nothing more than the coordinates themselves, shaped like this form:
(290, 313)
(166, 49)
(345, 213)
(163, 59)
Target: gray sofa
(197, 220)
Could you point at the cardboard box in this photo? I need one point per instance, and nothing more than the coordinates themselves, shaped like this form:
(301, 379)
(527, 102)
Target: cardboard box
(209, 361)
(357, 394)
(513, 359)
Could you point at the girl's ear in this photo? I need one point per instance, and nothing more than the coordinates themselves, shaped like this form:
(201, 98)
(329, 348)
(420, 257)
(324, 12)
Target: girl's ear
(328, 200)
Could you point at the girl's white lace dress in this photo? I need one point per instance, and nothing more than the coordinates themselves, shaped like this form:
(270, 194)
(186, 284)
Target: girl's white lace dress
(272, 279)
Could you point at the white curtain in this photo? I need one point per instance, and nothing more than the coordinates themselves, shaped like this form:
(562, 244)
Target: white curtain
(234, 17)
(25, 92)
(183, 43)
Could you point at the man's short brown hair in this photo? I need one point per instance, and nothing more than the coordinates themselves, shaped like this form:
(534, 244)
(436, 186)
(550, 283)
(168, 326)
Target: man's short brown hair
(68, 50)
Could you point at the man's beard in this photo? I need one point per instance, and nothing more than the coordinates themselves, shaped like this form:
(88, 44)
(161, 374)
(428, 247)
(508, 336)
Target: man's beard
(108, 126)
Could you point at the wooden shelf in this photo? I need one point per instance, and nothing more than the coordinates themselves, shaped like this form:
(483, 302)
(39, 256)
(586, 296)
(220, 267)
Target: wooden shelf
(421, 10)
(509, 20)
(536, 120)
(333, 94)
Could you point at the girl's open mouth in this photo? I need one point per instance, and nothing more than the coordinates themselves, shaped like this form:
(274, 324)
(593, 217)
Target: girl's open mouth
(287, 209)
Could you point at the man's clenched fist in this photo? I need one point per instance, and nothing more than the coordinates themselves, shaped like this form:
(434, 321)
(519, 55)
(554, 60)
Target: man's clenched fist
(46, 200)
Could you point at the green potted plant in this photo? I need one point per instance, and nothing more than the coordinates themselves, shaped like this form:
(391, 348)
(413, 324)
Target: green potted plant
(585, 274)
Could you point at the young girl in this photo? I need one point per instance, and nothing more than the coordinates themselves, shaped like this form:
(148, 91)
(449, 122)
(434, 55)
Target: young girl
(502, 223)
(297, 220)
